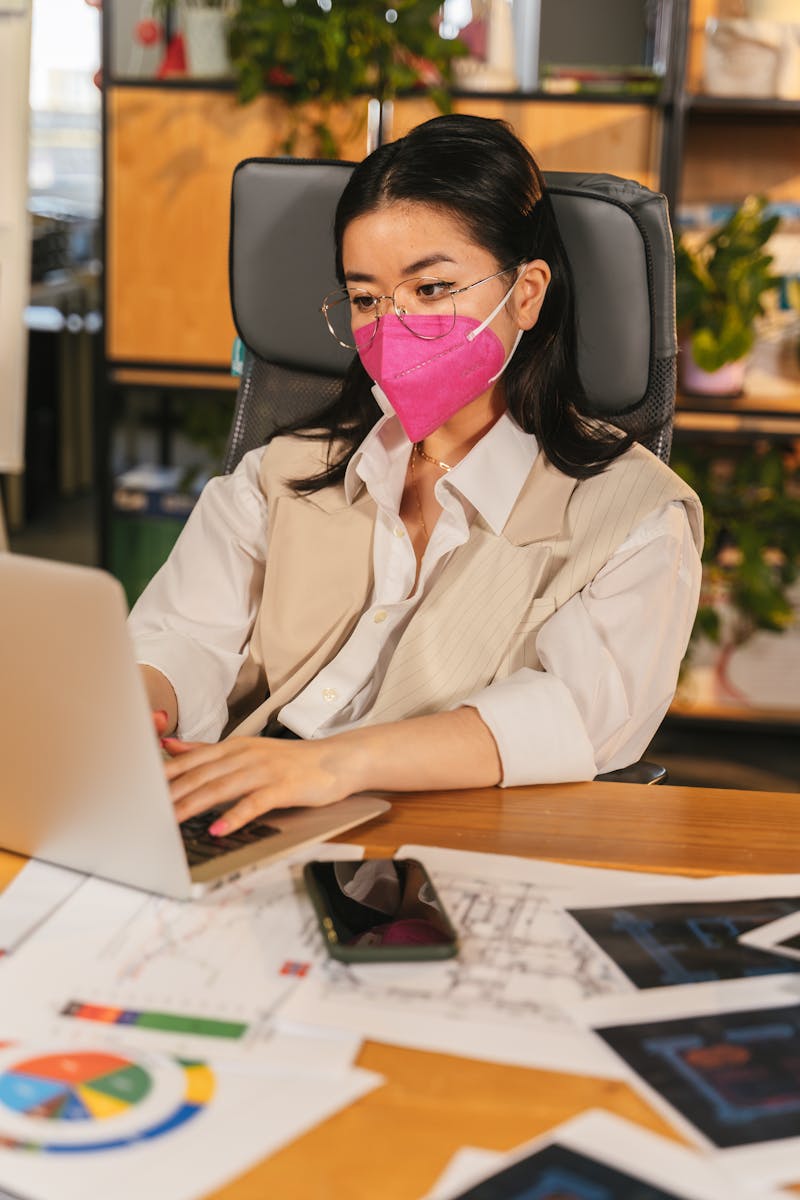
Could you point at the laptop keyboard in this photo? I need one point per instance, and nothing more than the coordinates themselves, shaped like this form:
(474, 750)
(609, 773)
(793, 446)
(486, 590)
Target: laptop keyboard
(200, 846)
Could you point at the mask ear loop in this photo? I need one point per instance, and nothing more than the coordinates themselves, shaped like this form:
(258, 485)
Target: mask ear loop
(509, 356)
(474, 332)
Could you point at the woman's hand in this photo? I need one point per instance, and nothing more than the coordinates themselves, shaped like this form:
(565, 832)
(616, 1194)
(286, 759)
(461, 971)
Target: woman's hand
(259, 773)
(445, 750)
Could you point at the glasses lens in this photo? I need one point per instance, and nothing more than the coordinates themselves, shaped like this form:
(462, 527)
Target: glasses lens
(426, 307)
(336, 310)
(343, 311)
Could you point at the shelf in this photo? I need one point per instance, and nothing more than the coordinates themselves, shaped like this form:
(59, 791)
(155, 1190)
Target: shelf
(783, 720)
(179, 83)
(785, 403)
(164, 377)
(188, 83)
(756, 413)
(650, 99)
(737, 423)
(742, 106)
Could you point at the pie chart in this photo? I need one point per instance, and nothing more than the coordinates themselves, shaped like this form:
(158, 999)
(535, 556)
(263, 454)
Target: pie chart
(81, 1101)
(73, 1087)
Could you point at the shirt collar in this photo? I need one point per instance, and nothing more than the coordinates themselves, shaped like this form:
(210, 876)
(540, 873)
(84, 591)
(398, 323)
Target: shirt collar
(372, 464)
(490, 477)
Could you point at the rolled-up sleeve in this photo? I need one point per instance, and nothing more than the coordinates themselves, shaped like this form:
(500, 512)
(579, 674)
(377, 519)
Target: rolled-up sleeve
(194, 620)
(610, 658)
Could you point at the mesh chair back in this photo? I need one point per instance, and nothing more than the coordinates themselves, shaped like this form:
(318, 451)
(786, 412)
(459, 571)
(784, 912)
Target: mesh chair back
(618, 241)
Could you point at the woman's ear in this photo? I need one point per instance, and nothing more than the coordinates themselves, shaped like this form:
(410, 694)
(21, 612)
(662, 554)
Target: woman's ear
(530, 292)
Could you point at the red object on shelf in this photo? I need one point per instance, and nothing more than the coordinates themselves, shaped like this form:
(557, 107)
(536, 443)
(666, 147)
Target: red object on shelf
(279, 77)
(148, 32)
(174, 62)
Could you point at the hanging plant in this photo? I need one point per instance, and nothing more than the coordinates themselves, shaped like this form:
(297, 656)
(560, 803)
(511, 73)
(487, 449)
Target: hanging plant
(327, 51)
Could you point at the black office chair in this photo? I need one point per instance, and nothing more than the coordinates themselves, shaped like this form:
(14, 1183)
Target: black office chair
(617, 237)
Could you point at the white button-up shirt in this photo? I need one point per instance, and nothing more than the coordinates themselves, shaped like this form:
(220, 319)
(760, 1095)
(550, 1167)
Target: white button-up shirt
(610, 655)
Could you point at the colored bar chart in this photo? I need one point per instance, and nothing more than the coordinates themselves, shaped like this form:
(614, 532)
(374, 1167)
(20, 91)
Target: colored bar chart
(162, 1022)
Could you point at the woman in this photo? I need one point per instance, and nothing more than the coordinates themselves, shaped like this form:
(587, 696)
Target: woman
(478, 586)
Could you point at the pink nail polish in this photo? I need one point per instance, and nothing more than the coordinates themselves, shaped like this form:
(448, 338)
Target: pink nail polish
(218, 829)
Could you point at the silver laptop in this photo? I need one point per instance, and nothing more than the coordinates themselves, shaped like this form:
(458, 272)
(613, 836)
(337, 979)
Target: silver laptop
(81, 773)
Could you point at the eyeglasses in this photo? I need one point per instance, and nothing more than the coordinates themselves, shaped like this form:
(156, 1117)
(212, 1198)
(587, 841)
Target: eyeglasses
(349, 309)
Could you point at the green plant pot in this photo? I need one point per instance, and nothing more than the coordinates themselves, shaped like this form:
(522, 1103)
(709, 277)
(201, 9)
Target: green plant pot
(726, 383)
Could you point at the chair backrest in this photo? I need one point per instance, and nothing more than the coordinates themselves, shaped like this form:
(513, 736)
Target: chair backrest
(618, 241)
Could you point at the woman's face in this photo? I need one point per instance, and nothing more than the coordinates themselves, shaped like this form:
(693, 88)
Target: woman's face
(403, 240)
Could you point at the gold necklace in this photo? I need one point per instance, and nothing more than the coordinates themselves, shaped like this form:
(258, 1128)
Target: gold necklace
(436, 462)
(414, 453)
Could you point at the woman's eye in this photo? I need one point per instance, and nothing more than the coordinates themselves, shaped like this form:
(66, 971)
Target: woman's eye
(363, 303)
(433, 289)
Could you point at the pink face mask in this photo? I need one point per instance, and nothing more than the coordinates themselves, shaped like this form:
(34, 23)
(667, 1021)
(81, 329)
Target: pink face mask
(427, 381)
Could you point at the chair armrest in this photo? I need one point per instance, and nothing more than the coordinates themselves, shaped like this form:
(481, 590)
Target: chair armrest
(640, 772)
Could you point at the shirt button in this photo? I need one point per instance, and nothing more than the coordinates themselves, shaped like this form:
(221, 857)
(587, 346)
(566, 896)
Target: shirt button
(398, 531)
(329, 695)
(380, 615)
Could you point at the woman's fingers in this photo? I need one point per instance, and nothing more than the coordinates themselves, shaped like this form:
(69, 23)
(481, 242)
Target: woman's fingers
(176, 749)
(254, 805)
(201, 777)
(256, 773)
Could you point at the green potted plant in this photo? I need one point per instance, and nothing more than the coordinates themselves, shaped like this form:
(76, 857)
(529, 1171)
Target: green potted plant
(721, 282)
(751, 557)
(317, 53)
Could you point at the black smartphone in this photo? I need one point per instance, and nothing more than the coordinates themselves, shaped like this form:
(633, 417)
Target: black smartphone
(379, 910)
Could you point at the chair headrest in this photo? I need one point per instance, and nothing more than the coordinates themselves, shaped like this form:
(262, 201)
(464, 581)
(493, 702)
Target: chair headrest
(616, 234)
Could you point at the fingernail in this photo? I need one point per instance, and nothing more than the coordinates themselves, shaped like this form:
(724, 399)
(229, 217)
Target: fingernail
(218, 829)
(161, 712)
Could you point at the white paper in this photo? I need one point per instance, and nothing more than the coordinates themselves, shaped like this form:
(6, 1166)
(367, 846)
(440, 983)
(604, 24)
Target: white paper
(31, 897)
(522, 963)
(194, 1128)
(609, 1140)
(231, 956)
(770, 937)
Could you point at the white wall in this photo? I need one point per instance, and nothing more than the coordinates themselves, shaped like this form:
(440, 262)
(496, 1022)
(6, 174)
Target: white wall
(15, 38)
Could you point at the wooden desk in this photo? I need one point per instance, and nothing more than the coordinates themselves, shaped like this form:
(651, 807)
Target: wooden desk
(394, 1143)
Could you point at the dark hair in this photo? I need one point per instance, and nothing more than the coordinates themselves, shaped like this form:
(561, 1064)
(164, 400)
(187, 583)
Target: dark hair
(477, 170)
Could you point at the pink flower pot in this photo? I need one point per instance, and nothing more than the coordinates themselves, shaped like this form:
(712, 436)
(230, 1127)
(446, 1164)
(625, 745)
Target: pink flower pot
(728, 381)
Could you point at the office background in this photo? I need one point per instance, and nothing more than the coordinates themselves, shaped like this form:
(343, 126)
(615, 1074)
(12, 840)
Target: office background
(129, 334)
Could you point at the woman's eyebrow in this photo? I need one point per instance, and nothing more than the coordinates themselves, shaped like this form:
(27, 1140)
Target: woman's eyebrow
(430, 260)
(421, 264)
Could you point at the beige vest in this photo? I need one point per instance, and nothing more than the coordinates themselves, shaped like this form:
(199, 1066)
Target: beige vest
(479, 620)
